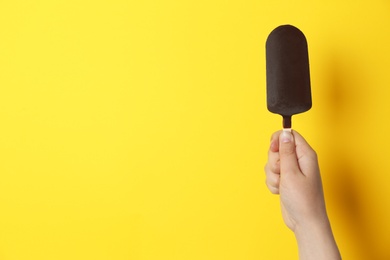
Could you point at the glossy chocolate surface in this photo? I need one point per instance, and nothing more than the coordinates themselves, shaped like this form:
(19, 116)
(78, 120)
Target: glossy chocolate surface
(288, 76)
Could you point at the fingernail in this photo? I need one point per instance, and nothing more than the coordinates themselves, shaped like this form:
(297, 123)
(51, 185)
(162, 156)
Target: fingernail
(286, 137)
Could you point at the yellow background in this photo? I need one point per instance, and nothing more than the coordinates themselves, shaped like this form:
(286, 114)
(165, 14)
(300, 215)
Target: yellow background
(139, 129)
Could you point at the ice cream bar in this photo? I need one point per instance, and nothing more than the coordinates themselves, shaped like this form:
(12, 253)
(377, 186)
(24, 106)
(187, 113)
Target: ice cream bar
(288, 77)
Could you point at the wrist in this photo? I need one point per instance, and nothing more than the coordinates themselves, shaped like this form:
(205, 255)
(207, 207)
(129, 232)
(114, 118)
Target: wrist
(315, 240)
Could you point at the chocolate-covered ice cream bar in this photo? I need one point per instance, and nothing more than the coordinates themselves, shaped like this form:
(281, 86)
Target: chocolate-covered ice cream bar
(288, 76)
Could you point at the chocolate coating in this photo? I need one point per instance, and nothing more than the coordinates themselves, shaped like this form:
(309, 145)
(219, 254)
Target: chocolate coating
(288, 76)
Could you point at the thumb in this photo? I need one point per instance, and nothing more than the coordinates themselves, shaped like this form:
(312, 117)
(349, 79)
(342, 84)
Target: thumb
(287, 153)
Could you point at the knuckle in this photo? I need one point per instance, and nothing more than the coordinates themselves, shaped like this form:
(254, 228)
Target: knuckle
(275, 168)
(266, 167)
(274, 190)
(272, 181)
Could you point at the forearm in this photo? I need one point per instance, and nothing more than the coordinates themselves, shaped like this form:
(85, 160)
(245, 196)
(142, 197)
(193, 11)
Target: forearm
(316, 242)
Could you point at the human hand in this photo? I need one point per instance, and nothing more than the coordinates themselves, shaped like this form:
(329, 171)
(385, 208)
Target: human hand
(292, 171)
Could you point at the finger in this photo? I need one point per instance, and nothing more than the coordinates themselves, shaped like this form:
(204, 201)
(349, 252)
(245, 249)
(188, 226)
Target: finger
(307, 157)
(273, 154)
(273, 164)
(272, 180)
(274, 146)
(273, 184)
(287, 153)
(273, 190)
(273, 168)
(274, 158)
(302, 146)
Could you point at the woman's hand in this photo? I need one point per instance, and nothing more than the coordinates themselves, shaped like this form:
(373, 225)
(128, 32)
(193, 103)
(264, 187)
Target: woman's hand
(292, 171)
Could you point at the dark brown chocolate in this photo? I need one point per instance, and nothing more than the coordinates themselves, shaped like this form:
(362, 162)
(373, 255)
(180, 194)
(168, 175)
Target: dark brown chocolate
(288, 76)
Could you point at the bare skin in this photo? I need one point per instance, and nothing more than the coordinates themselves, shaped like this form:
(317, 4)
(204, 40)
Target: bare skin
(292, 171)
